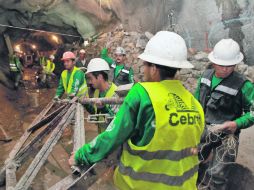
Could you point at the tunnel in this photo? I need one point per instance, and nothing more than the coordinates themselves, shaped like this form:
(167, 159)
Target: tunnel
(51, 27)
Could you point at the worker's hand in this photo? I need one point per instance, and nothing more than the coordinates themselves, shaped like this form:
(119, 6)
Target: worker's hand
(228, 127)
(194, 151)
(72, 160)
(70, 96)
(56, 99)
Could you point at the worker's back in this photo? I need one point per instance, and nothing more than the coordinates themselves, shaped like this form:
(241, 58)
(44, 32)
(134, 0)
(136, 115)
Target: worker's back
(166, 162)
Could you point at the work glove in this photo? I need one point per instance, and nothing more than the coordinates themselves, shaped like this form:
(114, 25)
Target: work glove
(56, 99)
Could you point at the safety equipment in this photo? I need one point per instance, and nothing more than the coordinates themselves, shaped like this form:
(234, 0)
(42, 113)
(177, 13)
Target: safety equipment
(97, 64)
(14, 63)
(226, 53)
(68, 55)
(227, 91)
(167, 162)
(120, 51)
(68, 84)
(52, 57)
(166, 49)
(110, 93)
(49, 67)
(82, 51)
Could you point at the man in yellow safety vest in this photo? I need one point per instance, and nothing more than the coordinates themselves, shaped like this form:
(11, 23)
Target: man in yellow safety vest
(97, 77)
(72, 81)
(47, 70)
(159, 124)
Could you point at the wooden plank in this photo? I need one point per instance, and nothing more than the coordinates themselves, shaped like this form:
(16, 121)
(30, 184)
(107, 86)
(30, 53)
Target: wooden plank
(41, 157)
(11, 176)
(21, 142)
(79, 128)
(78, 141)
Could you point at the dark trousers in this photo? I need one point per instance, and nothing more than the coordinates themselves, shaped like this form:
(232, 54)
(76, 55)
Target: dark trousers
(214, 173)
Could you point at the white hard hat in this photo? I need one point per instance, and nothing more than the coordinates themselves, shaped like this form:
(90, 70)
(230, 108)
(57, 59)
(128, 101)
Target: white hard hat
(51, 57)
(97, 64)
(226, 53)
(120, 51)
(166, 49)
(82, 51)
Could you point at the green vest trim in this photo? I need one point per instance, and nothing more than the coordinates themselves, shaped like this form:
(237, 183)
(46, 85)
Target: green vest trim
(67, 87)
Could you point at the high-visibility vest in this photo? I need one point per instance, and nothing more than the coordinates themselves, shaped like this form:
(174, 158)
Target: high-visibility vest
(42, 61)
(166, 162)
(13, 63)
(49, 67)
(110, 93)
(67, 87)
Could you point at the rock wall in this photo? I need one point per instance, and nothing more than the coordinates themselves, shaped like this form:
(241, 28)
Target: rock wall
(134, 44)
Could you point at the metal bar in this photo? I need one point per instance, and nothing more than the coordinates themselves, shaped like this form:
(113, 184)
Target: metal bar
(47, 119)
(25, 151)
(70, 180)
(79, 131)
(102, 100)
(41, 157)
(21, 141)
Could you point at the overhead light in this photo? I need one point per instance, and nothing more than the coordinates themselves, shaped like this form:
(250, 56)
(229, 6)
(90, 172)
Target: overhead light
(55, 38)
(86, 43)
(34, 46)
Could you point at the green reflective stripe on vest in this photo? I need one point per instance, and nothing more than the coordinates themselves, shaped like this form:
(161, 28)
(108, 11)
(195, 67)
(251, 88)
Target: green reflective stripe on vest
(68, 87)
(158, 178)
(166, 162)
(160, 154)
(13, 64)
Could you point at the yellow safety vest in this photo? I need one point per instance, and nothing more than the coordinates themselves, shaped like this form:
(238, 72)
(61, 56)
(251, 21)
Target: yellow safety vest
(111, 91)
(67, 87)
(49, 67)
(13, 63)
(166, 162)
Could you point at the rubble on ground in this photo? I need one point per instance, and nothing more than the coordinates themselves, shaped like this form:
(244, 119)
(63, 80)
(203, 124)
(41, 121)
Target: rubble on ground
(134, 44)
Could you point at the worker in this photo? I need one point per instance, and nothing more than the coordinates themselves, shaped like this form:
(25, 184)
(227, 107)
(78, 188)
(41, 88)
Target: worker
(104, 55)
(81, 60)
(72, 80)
(226, 97)
(47, 70)
(97, 77)
(159, 135)
(121, 73)
(16, 68)
(42, 59)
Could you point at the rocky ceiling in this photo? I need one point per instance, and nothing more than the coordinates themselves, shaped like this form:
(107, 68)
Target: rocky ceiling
(201, 23)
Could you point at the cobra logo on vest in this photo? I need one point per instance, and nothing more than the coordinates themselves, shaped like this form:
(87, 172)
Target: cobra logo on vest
(180, 113)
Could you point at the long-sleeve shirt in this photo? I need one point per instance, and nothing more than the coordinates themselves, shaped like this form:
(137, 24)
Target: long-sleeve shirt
(78, 80)
(246, 120)
(135, 120)
(110, 109)
(119, 68)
